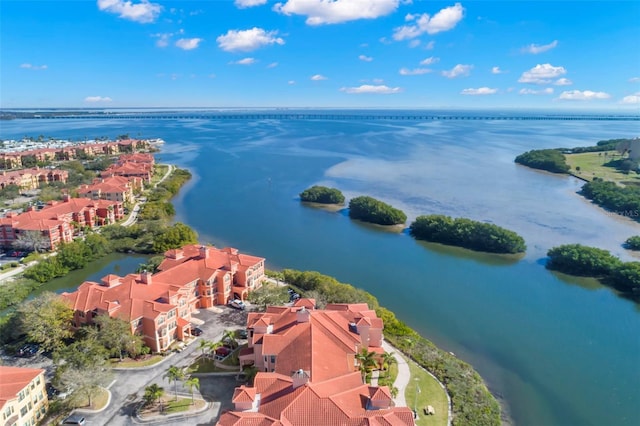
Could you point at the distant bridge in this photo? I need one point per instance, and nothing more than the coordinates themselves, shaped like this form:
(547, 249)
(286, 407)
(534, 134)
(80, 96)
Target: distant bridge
(338, 116)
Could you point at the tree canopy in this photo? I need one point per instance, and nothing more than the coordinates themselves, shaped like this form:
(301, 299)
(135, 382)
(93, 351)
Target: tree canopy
(46, 319)
(467, 233)
(551, 160)
(633, 243)
(322, 194)
(368, 209)
(624, 201)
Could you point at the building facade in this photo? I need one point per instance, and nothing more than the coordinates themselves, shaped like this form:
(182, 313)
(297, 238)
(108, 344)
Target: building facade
(23, 396)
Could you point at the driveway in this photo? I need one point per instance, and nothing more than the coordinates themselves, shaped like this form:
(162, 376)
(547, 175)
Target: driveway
(128, 387)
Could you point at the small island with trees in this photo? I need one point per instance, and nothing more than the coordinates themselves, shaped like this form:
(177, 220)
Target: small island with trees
(368, 209)
(633, 243)
(467, 233)
(576, 259)
(322, 195)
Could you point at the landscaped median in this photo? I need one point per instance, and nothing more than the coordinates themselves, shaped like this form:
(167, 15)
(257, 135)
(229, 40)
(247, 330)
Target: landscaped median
(169, 406)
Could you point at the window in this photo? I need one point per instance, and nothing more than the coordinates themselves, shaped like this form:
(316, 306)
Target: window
(23, 411)
(273, 359)
(21, 396)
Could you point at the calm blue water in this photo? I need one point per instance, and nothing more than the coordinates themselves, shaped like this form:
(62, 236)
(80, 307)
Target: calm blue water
(559, 350)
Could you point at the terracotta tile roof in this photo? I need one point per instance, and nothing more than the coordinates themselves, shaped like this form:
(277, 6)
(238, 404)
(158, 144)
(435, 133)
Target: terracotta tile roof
(233, 418)
(307, 303)
(244, 394)
(13, 380)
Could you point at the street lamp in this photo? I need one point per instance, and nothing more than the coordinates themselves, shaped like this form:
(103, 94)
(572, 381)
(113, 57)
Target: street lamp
(415, 401)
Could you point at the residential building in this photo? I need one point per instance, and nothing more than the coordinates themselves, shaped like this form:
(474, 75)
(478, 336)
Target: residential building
(32, 178)
(56, 220)
(114, 188)
(308, 371)
(159, 306)
(23, 398)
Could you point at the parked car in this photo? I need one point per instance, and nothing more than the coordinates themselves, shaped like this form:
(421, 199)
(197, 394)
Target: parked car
(196, 331)
(52, 392)
(242, 334)
(75, 419)
(28, 350)
(237, 304)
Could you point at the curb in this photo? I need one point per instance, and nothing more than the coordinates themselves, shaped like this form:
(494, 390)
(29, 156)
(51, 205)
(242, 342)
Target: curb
(89, 411)
(165, 417)
(146, 367)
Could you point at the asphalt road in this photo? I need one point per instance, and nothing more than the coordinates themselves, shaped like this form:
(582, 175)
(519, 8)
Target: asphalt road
(128, 388)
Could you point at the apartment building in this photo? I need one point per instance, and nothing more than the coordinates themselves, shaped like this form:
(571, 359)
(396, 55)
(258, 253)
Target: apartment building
(23, 398)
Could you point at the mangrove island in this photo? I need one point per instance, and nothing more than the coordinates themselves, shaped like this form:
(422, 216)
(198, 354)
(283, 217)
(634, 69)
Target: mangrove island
(368, 209)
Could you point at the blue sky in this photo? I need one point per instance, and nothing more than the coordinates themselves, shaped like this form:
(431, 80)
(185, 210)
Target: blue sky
(320, 53)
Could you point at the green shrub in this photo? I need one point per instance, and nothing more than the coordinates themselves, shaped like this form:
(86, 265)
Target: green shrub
(369, 209)
(551, 160)
(322, 194)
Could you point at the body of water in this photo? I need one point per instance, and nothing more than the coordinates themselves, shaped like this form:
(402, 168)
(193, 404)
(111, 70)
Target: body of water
(558, 350)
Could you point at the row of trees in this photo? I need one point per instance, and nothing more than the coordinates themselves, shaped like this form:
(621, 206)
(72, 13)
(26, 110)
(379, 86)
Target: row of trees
(153, 393)
(322, 194)
(368, 209)
(621, 200)
(576, 259)
(472, 402)
(467, 233)
(551, 160)
(47, 321)
(70, 256)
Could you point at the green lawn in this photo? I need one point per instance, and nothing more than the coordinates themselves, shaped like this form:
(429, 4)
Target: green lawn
(171, 406)
(98, 401)
(386, 378)
(130, 363)
(592, 165)
(430, 394)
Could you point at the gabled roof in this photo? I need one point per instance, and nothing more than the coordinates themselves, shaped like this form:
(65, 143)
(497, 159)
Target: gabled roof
(13, 380)
(233, 418)
(244, 394)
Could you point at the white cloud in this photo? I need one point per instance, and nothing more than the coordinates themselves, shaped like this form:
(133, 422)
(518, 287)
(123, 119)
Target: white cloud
(245, 61)
(445, 20)
(541, 74)
(272, 65)
(34, 67)
(430, 60)
(458, 70)
(318, 77)
(320, 12)
(539, 48)
(563, 82)
(631, 99)
(547, 91)
(586, 95)
(365, 58)
(430, 45)
(291, 82)
(378, 80)
(479, 91)
(414, 43)
(93, 99)
(634, 80)
(496, 70)
(368, 88)
(143, 12)
(242, 4)
(163, 39)
(188, 43)
(247, 40)
(415, 71)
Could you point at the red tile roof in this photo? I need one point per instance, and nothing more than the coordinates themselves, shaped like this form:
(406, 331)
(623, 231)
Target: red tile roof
(13, 380)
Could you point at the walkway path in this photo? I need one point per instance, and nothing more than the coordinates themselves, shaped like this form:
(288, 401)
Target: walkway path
(403, 377)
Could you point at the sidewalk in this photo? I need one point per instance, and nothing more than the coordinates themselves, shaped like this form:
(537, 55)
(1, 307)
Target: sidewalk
(403, 377)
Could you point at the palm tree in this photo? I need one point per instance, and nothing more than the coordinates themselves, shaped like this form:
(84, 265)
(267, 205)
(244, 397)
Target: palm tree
(388, 358)
(204, 345)
(213, 346)
(230, 336)
(174, 374)
(153, 393)
(366, 362)
(192, 382)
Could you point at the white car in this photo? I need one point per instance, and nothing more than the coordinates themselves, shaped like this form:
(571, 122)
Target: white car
(237, 304)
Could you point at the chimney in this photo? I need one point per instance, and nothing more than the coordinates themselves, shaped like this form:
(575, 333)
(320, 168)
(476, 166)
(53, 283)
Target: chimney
(145, 276)
(303, 315)
(66, 198)
(299, 378)
(204, 253)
